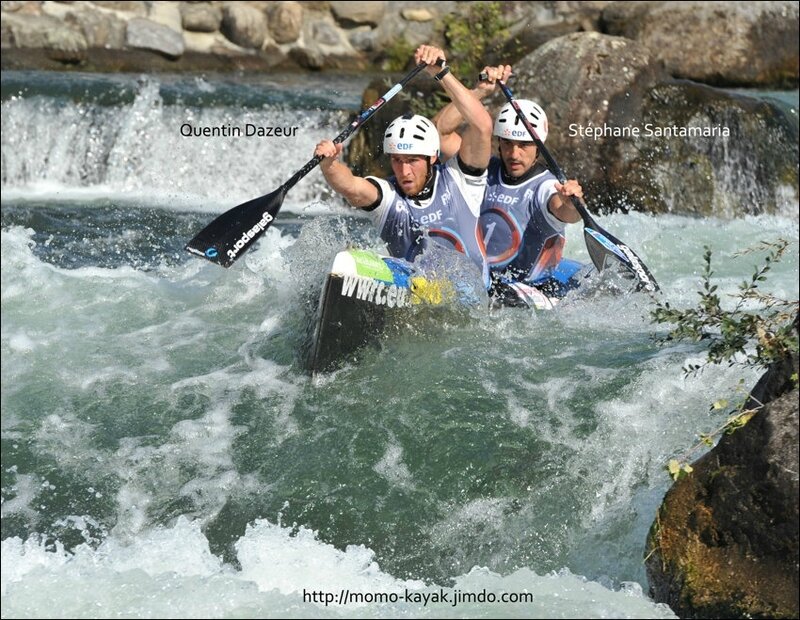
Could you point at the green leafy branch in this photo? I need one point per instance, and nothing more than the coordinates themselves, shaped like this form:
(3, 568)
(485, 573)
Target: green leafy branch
(738, 416)
(760, 329)
(475, 37)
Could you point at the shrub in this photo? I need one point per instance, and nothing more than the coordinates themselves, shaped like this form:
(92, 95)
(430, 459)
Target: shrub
(759, 330)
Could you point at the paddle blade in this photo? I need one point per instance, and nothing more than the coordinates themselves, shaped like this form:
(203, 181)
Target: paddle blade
(605, 250)
(226, 238)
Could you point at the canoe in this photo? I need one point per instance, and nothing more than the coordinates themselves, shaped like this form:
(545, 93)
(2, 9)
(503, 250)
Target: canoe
(364, 289)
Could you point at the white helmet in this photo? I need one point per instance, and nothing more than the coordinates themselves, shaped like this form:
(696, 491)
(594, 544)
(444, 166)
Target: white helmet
(508, 126)
(411, 135)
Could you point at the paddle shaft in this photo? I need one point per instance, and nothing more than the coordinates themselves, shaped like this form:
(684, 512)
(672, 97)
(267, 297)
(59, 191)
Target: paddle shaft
(226, 238)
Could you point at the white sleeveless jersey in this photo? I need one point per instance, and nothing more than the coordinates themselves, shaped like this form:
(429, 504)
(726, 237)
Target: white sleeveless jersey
(522, 238)
(449, 216)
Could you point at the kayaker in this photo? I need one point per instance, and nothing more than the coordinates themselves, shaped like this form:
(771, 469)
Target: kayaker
(525, 209)
(425, 198)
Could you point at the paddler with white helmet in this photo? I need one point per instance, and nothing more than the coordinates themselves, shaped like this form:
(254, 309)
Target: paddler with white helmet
(525, 209)
(424, 197)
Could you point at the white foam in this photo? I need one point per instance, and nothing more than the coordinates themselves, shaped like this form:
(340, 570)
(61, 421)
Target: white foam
(170, 572)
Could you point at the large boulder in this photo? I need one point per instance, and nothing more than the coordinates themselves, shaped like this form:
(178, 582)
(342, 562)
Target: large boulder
(323, 45)
(721, 43)
(580, 80)
(286, 21)
(745, 164)
(637, 139)
(167, 14)
(245, 25)
(725, 542)
(101, 30)
(60, 41)
(352, 13)
(145, 34)
(200, 16)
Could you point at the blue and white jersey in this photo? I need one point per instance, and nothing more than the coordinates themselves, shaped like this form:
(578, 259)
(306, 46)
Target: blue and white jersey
(449, 216)
(522, 238)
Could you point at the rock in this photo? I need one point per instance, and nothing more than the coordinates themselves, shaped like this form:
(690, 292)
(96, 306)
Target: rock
(325, 33)
(101, 30)
(200, 16)
(60, 41)
(324, 45)
(351, 13)
(757, 42)
(417, 15)
(725, 543)
(31, 8)
(577, 79)
(286, 22)
(394, 31)
(307, 57)
(532, 36)
(363, 39)
(134, 9)
(167, 14)
(146, 34)
(751, 171)
(532, 24)
(591, 81)
(244, 25)
(213, 43)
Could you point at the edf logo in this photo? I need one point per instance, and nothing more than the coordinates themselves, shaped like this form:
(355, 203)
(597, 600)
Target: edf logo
(515, 133)
(505, 199)
(404, 146)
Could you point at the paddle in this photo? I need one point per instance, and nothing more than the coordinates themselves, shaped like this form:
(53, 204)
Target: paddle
(229, 235)
(603, 246)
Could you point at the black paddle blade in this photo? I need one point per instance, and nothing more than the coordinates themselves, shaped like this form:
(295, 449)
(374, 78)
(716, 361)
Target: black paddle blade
(227, 237)
(605, 249)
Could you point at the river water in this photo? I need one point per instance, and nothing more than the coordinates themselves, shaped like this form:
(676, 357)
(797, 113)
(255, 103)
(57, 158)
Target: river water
(164, 454)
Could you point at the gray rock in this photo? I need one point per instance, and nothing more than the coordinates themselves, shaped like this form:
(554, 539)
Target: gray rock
(286, 22)
(588, 81)
(720, 43)
(101, 30)
(392, 31)
(323, 45)
(351, 13)
(145, 34)
(725, 543)
(751, 171)
(363, 39)
(200, 16)
(325, 33)
(11, 6)
(244, 25)
(62, 42)
(532, 24)
(136, 9)
(577, 79)
(167, 14)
